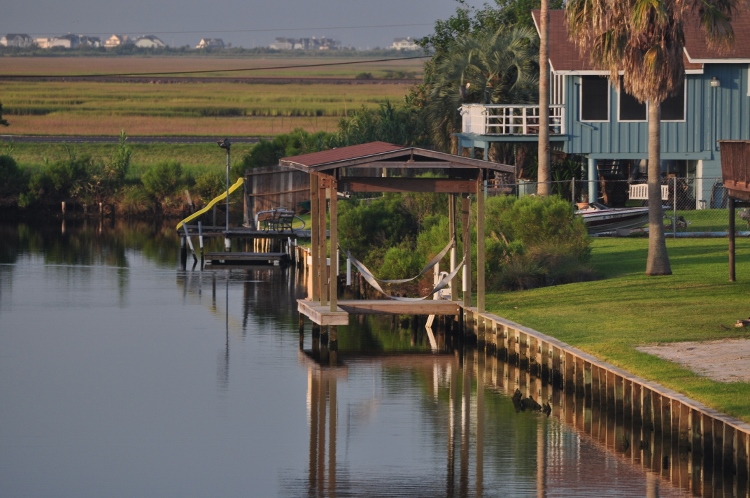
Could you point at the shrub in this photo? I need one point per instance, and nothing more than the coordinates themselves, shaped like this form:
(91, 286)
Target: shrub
(210, 184)
(369, 229)
(136, 202)
(533, 242)
(163, 179)
(400, 262)
(12, 179)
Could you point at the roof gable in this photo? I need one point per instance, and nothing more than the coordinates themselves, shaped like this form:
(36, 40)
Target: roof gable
(385, 155)
(564, 55)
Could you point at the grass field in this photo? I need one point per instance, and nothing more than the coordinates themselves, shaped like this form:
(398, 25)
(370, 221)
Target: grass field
(609, 318)
(219, 66)
(197, 106)
(195, 158)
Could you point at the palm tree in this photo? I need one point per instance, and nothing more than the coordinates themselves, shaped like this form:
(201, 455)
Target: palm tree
(486, 67)
(543, 169)
(644, 39)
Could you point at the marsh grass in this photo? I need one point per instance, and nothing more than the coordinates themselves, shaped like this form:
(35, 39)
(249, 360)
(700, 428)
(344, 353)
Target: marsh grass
(610, 317)
(71, 66)
(196, 105)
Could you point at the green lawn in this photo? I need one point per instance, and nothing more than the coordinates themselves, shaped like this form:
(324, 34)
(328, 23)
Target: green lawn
(610, 317)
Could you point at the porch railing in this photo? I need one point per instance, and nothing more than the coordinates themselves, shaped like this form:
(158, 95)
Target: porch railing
(495, 119)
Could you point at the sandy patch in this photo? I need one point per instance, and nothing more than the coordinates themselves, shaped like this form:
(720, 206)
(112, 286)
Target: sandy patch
(726, 360)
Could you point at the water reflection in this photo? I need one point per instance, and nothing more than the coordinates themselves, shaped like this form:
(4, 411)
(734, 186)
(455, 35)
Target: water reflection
(486, 447)
(194, 382)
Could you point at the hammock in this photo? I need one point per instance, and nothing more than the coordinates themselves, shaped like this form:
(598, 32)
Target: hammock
(375, 282)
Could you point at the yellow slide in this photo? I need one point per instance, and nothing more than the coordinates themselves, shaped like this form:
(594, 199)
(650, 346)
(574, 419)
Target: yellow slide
(211, 204)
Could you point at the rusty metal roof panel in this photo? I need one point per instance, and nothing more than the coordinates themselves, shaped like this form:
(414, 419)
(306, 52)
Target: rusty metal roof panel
(317, 160)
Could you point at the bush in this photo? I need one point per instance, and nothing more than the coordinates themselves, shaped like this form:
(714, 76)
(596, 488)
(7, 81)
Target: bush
(136, 202)
(400, 262)
(533, 242)
(210, 184)
(369, 229)
(163, 179)
(12, 179)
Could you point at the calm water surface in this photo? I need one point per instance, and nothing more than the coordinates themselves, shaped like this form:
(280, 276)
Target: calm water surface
(121, 375)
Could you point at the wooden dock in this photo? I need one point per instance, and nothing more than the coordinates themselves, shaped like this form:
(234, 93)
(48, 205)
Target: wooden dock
(247, 258)
(321, 314)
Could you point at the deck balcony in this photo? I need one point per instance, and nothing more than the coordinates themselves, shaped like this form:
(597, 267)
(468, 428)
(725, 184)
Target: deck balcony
(509, 120)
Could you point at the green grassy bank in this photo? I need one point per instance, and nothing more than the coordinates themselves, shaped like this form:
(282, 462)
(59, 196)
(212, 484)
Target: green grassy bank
(609, 318)
(195, 158)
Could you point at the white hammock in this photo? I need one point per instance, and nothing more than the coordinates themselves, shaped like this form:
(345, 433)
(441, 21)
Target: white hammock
(375, 282)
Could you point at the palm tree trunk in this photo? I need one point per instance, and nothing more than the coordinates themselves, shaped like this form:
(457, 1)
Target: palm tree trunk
(658, 258)
(543, 169)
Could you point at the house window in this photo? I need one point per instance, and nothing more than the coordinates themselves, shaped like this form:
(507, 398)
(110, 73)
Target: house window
(630, 108)
(673, 108)
(594, 98)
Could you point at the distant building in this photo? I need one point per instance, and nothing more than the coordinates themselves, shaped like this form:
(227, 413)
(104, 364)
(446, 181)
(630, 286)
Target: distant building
(69, 41)
(210, 43)
(404, 44)
(149, 41)
(17, 40)
(89, 41)
(65, 41)
(323, 43)
(117, 40)
(42, 42)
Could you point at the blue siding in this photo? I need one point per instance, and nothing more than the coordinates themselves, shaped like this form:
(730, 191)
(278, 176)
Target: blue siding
(695, 138)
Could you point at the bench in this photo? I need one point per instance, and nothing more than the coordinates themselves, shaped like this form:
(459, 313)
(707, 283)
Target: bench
(279, 219)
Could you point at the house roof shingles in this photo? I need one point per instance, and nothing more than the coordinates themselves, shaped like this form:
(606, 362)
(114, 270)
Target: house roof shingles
(564, 55)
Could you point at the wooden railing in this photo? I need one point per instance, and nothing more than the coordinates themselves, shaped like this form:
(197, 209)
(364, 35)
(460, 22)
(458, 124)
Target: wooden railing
(509, 119)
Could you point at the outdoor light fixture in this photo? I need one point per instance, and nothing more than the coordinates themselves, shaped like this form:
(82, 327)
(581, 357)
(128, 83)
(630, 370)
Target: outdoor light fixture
(227, 146)
(715, 83)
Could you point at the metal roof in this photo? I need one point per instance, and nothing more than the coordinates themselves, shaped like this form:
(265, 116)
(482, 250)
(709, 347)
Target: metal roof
(385, 155)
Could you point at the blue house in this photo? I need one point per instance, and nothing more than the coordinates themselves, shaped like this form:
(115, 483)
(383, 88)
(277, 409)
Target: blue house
(592, 118)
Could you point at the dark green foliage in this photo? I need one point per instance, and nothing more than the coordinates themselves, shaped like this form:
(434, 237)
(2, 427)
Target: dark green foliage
(12, 179)
(400, 262)
(210, 184)
(264, 153)
(3, 121)
(268, 152)
(369, 228)
(119, 163)
(469, 20)
(70, 177)
(402, 125)
(163, 180)
(533, 242)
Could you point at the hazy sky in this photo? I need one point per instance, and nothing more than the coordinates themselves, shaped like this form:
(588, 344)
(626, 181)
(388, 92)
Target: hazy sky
(247, 23)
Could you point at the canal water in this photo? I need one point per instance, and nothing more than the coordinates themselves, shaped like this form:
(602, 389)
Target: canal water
(121, 375)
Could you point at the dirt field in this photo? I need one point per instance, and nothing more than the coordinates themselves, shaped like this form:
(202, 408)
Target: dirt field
(726, 360)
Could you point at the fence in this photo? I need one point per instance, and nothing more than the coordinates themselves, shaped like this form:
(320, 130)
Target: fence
(692, 206)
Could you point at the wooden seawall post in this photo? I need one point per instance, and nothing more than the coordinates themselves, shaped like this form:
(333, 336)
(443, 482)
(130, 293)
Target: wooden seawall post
(679, 439)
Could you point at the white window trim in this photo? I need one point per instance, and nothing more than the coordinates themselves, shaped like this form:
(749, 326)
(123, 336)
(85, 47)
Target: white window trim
(580, 103)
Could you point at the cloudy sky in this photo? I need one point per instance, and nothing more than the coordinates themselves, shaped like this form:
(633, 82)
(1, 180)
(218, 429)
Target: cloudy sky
(247, 23)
